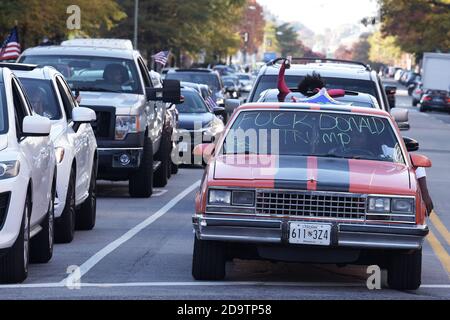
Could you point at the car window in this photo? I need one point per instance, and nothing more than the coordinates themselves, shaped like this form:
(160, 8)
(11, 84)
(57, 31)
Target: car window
(66, 97)
(42, 98)
(322, 134)
(363, 86)
(3, 111)
(84, 73)
(20, 106)
(210, 79)
(193, 103)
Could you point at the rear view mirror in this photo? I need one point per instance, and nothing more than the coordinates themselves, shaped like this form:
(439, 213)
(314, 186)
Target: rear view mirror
(169, 93)
(36, 126)
(390, 90)
(83, 115)
(411, 144)
(400, 115)
(419, 160)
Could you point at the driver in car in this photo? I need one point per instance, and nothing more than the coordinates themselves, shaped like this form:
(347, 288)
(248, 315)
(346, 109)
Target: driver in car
(38, 98)
(115, 76)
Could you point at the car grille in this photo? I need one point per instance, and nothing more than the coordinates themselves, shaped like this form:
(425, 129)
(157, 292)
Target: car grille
(4, 203)
(311, 204)
(104, 126)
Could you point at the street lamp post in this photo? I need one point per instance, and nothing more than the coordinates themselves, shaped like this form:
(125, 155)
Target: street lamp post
(136, 9)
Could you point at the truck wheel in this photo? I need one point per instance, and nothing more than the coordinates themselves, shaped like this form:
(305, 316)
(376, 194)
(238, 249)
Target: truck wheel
(87, 213)
(141, 182)
(208, 262)
(415, 103)
(422, 109)
(405, 271)
(163, 155)
(14, 265)
(65, 225)
(41, 246)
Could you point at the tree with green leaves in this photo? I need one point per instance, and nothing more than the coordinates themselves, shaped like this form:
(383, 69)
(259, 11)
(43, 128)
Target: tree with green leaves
(418, 25)
(48, 18)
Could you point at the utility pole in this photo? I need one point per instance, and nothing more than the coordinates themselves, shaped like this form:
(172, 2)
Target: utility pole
(136, 9)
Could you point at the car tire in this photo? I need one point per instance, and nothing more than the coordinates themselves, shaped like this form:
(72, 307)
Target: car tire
(65, 225)
(41, 246)
(422, 109)
(405, 271)
(209, 260)
(415, 103)
(14, 264)
(86, 215)
(141, 182)
(163, 155)
(174, 167)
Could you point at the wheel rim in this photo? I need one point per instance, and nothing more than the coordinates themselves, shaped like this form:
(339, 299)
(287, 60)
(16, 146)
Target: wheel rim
(26, 237)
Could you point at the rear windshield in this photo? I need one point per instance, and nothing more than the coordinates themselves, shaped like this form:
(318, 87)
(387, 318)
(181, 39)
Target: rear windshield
(42, 98)
(193, 103)
(210, 79)
(321, 134)
(270, 82)
(3, 113)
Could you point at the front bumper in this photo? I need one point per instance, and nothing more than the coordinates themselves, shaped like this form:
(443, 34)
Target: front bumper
(276, 231)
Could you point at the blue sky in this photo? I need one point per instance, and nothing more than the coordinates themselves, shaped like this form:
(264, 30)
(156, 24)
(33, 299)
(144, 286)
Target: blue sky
(321, 14)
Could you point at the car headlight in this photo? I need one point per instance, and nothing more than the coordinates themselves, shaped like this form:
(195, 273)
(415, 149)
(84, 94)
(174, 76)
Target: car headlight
(219, 197)
(9, 169)
(379, 205)
(59, 154)
(403, 205)
(125, 125)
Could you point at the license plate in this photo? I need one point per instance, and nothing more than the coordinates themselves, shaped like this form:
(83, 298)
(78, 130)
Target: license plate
(183, 147)
(310, 234)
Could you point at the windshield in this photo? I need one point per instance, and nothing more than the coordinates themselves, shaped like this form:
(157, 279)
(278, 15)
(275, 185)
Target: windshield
(210, 79)
(364, 86)
(42, 98)
(244, 77)
(3, 114)
(100, 74)
(193, 103)
(321, 134)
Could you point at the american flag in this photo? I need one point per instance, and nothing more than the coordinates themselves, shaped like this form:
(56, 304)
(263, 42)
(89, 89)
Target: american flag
(10, 49)
(161, 57)
(211, 102)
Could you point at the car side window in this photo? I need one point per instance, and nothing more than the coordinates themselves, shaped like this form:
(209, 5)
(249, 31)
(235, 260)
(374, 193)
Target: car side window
(67, 98)
(145, 73)
(21, 106)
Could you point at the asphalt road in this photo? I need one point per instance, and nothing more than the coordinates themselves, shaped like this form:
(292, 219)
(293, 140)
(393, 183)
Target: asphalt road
(142, 249)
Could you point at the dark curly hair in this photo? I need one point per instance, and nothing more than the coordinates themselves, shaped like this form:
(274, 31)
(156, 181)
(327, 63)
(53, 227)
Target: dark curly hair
(309, 85)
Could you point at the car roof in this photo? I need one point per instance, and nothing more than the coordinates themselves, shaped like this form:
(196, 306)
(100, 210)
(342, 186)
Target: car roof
(45, 72)
(80, 51)
(305, 106)
(122, 44)
(327, 70)
(195, 70)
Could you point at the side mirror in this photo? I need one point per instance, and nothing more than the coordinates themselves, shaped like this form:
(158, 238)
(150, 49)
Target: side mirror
(231, 105)
(218, 110)
(83, 115)
(411, 144)
(390, 90)
(36, 126)
(419, 160)
(169, 93)
(204, 150)
(403, 126)
(400, 115)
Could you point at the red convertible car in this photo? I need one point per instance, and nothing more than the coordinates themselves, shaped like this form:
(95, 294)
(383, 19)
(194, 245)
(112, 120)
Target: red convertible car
(303, 182)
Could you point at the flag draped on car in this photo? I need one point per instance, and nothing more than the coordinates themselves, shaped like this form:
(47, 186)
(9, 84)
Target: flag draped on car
(161, 57)
(211, 102)
(11, 49)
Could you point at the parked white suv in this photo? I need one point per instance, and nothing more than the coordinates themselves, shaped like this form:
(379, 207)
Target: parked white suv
(75, 148)
(27, 182)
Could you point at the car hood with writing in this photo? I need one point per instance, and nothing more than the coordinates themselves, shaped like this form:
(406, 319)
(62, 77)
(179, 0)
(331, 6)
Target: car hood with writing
(191, 121)
(313, 174)
(125, 103)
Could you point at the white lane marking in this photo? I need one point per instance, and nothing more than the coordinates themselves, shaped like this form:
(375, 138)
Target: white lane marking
(159, 192)
(96, 258)
(205, 284)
